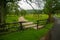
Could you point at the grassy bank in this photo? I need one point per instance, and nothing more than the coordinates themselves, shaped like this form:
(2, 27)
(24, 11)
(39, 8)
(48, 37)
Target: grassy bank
(29, 34)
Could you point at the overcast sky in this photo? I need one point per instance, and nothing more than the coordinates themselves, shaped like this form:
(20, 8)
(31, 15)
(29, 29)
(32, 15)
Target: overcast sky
(23, 4)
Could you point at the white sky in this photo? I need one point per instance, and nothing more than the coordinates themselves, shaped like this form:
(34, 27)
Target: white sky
(26, 6)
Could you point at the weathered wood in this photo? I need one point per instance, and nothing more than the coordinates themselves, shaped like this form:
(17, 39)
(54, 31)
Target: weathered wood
(37, 24)
(22, 25)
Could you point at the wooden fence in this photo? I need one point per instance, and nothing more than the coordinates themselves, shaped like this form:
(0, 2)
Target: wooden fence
(17, 25)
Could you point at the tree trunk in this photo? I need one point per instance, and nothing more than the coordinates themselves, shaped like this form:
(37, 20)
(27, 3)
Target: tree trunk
(2, 11)
(2, 14)
(49, 18)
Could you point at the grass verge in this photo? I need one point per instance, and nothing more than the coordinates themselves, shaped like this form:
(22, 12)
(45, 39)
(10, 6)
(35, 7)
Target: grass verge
(29, 34)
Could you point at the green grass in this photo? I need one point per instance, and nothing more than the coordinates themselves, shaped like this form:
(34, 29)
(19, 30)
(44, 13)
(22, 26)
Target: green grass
(34, 17)
(29, 34)
(12, 18)
(29, 17)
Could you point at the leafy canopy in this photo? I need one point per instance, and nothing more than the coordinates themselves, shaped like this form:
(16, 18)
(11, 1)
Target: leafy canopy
(51, 6)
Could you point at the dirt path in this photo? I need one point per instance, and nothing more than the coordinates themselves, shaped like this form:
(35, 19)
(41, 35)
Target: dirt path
(55, 31)
(28, 24)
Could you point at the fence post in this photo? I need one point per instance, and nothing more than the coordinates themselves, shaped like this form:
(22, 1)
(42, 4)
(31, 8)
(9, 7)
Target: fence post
(37, 24)
(2, 26)
(21, 26)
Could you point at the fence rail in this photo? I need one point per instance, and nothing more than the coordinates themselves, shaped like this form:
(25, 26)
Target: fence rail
(17, 25)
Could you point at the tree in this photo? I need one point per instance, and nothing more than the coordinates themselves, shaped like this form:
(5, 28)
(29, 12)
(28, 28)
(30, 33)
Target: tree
(3, 11)
(38, 3)
(23, 12)
(31, 5)
(50, 7)
(12, 8)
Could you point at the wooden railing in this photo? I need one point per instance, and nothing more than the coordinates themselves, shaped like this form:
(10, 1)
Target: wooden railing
(18, 25)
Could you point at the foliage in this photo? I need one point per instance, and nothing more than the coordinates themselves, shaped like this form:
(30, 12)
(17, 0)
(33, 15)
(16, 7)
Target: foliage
(51, 6)
(23, 12)
(3, 9)
(12, 8)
